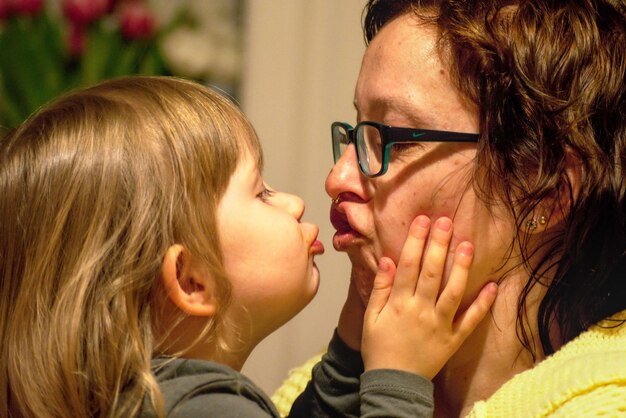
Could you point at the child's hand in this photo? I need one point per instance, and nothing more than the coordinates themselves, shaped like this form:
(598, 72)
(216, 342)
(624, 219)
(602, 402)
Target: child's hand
(408, 325)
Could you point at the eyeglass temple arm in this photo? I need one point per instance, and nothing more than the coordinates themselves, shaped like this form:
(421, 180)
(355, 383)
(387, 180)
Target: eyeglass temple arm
(428, 135)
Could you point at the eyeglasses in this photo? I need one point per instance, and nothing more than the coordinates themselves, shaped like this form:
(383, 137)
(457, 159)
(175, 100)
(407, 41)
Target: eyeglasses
(373, 140)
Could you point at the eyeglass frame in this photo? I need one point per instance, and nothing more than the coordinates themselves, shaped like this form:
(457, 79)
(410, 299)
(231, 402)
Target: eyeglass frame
(390, 135)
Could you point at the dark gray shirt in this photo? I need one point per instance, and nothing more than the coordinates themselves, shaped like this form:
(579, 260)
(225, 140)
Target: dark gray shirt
(338, 388)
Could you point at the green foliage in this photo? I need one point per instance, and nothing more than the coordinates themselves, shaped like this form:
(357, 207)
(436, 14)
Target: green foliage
(36, 64)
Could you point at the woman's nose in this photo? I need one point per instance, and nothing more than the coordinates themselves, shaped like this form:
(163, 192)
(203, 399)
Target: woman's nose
(345, 175)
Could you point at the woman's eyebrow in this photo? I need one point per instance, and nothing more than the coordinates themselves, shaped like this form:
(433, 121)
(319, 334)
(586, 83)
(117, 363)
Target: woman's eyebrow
(395, 105)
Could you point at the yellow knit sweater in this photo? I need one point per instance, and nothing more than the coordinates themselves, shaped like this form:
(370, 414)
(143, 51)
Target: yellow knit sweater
(585, 378)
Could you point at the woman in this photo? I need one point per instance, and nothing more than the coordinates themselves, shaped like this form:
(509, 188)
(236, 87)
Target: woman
(540, 192)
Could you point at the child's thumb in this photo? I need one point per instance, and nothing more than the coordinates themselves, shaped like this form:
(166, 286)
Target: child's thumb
(383, 283)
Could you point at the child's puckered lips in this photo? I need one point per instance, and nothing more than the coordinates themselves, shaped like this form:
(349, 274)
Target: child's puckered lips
(310, 232)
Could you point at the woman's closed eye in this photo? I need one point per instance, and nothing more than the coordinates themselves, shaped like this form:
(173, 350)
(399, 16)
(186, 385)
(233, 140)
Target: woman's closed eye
(401, 148)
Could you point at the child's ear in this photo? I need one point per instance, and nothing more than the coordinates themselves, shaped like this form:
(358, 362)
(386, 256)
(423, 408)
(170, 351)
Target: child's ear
(189, 288)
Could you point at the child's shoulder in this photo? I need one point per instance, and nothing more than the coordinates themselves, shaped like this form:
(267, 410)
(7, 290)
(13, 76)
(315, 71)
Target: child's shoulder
(198, 388)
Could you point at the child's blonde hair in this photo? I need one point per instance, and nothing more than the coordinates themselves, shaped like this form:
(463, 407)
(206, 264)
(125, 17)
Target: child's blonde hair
(93, 190)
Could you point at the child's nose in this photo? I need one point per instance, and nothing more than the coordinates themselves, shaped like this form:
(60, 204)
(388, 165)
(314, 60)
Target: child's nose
(292, 204)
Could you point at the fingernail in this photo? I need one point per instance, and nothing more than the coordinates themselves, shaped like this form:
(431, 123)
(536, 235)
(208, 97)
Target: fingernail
(444, 224)
(492, 287)
(423, 221)
(383, 265)
(466, 250)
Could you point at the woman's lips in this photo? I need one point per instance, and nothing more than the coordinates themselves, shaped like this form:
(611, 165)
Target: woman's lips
(345, 235)
(339, 220)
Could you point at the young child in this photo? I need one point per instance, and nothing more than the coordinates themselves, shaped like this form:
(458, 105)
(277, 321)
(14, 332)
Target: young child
(143, 257)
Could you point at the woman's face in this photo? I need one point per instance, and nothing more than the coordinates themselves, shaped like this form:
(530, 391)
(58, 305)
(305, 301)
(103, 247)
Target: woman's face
(404, 83)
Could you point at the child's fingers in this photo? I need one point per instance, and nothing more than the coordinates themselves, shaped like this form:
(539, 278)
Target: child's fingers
(453, 292)
(383, 283)
(469, 320)
(411, 256)
(434, 260)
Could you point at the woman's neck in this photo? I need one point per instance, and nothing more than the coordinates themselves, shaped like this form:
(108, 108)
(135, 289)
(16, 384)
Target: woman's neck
(491, 356)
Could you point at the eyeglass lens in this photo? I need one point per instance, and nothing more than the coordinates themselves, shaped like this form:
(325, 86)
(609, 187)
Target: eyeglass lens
(340, 141)
(368, 142)
(368, 146)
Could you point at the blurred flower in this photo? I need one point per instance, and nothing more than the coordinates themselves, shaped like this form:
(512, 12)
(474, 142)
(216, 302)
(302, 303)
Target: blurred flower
(208, 42)
(83, 12)
(189, 52)
(27, 7)
(137, 21)
(77, 40)
(48, 47)
(4, 9)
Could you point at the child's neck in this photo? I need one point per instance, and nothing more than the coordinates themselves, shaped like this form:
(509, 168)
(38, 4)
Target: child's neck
(233, 359)
(181, 340)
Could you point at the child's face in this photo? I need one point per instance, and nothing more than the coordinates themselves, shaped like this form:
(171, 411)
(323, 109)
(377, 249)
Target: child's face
(268, 252)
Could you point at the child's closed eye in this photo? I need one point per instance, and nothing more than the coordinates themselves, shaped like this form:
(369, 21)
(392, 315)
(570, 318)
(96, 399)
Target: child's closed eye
(266, 194)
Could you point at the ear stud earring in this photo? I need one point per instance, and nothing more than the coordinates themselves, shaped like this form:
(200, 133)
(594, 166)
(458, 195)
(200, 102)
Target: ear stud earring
(534, 223)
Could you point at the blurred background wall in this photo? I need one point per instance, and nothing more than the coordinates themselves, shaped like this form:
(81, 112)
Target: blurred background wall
(301, 61)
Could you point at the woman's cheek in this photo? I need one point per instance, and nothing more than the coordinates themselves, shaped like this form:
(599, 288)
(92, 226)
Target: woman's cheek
(391, 243)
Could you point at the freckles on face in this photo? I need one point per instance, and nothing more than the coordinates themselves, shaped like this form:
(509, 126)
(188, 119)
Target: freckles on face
(403, 82)
(392, 222)
(435, 188)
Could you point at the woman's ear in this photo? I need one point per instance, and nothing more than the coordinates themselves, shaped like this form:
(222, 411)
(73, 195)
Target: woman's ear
(556, 207)
(189, 288)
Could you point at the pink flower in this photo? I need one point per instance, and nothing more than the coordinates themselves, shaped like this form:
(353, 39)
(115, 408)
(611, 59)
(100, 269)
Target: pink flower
(4, 9)
(83, 12)
(26, 7)
(136, 20)
(77, 40)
